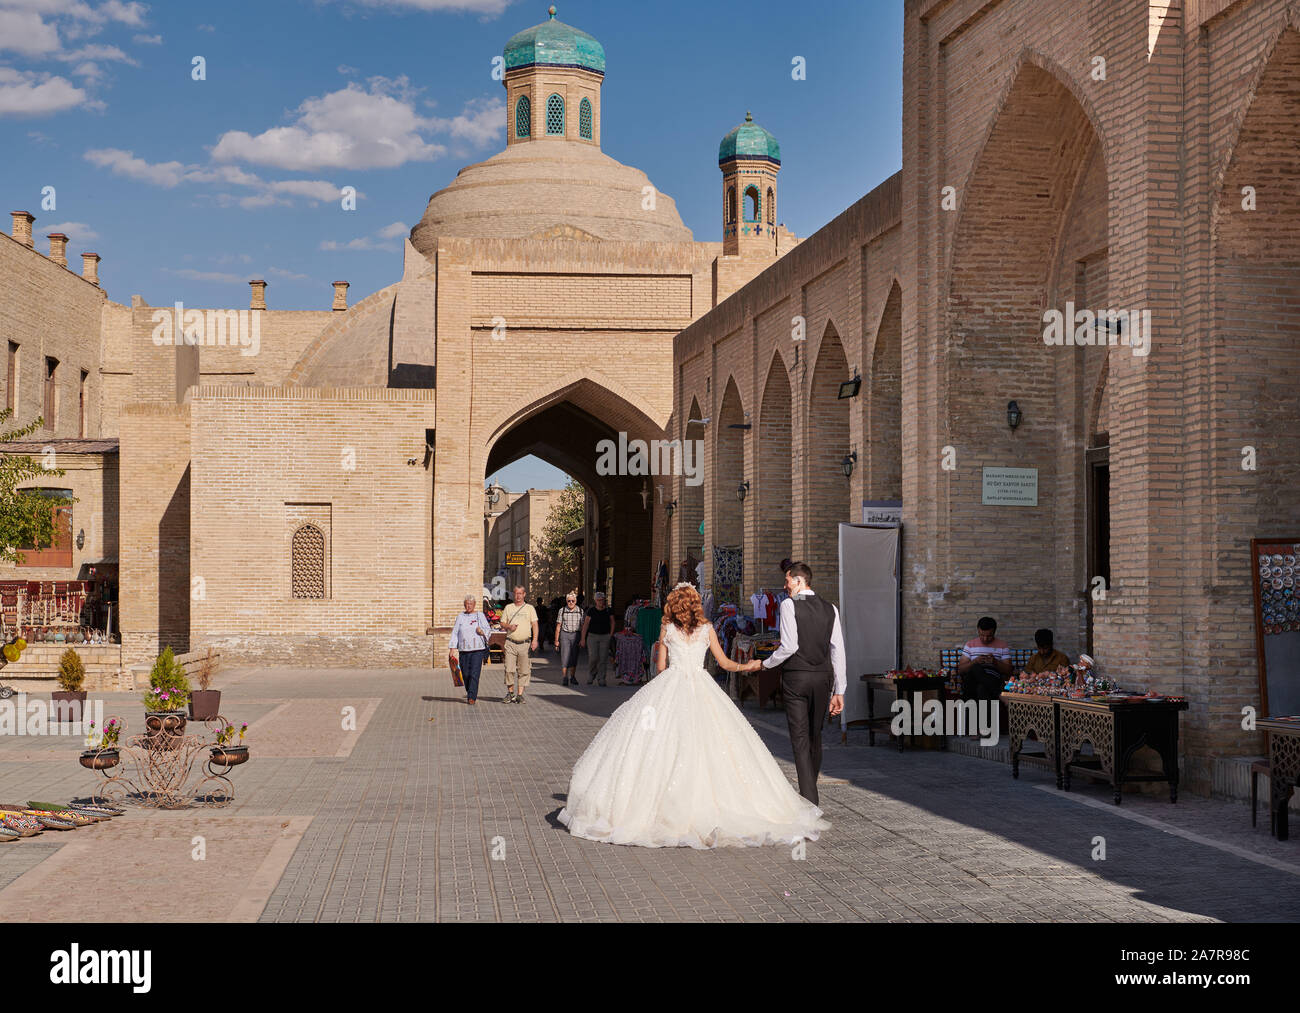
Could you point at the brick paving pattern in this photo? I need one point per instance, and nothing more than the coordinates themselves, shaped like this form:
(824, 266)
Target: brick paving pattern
(431, 810)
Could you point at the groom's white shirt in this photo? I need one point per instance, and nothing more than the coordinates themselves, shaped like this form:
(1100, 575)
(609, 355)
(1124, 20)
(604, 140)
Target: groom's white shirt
(790, 641)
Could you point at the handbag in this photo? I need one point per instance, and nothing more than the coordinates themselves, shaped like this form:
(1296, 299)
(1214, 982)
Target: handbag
(457, 679)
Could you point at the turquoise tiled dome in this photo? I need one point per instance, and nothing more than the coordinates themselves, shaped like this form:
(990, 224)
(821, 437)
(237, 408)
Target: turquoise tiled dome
(749, 140)
(555, 44)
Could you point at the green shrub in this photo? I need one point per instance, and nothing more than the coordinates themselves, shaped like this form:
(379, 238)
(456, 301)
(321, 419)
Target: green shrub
(72, 673)
(169, 690)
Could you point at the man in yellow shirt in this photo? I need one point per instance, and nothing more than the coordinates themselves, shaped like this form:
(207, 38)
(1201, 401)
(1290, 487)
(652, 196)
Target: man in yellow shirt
(519, 620)
(1048, 659)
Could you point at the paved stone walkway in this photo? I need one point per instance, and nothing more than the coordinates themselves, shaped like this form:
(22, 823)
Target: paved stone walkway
(421, 808)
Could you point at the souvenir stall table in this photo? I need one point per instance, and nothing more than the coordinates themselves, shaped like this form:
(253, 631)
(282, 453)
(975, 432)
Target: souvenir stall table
(1116, 725)
(1284, 767)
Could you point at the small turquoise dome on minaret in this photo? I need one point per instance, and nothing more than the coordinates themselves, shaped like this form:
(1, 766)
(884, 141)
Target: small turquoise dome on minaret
(555, 44)
(749, 140)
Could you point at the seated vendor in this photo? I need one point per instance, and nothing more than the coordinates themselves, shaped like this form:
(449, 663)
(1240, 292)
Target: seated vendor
(1048, 659)
(985, 663)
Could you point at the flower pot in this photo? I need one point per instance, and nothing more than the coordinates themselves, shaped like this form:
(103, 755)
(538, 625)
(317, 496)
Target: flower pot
(229, 756)
(99, 759)
(204, 704)
(164, 729)
(67, 706)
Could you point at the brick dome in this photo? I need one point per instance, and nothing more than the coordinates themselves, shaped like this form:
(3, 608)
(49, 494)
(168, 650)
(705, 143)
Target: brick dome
(546, 188)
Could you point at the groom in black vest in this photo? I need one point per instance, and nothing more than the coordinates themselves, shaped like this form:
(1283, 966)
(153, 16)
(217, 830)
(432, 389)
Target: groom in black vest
(812, 652)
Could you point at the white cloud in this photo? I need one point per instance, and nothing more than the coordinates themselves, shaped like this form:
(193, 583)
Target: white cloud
(172, 174)
(77, 232)
(279, 272)
(124, 163)
(381, 240)
(348, 71)
(348, 129)
(96, 53)
(481, 123)
(488, 8)
(147, 40)
(25, 32)
(207, 28)
(26, 93)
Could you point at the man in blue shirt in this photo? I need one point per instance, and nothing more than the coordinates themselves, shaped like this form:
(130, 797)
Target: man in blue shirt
(469, 637)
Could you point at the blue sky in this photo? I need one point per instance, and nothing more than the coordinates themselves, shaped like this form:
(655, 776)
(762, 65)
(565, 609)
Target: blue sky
(189, 188)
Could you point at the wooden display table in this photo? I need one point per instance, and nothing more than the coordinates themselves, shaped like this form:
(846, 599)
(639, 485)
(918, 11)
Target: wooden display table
(1284, 768)
(1116, 731)
(1033, 718)
(899, 689)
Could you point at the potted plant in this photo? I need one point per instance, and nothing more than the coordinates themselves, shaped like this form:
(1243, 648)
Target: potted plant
(227, 752)
(101, 747)
(205, 703)
(165, 702)
(69, 699)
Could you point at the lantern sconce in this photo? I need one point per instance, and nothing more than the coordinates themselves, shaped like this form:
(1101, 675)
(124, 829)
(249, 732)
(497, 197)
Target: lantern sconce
(671, 507)
(848, 463)
(850, 388)
(1014, 415)
(742, 491)
(81, 538)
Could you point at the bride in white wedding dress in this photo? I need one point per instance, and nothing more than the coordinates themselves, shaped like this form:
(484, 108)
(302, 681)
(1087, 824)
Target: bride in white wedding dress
(678, 765)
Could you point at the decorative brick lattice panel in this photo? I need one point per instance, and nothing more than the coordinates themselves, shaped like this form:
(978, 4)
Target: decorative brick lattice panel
(523, 117)
(308, 562)
(555, 115)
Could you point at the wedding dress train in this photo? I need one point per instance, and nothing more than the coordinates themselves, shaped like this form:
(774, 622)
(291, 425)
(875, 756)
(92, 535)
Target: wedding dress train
(677, 765)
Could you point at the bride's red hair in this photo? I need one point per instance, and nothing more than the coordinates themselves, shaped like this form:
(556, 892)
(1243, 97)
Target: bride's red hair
(684, 609)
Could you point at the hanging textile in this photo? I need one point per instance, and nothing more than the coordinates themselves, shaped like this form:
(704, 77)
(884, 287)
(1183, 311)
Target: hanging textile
(648, 620)
(728, 572)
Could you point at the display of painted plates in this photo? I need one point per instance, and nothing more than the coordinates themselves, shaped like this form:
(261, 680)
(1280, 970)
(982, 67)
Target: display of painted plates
(1288, 560)
(8, 836)
(25, 825)
(49, 820)
(1277, 559)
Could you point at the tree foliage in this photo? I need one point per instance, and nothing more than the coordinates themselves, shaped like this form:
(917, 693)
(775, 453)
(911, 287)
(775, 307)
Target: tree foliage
(24, 519)
(554, 563)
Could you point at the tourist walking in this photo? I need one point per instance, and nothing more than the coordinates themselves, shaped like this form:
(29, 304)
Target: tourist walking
(812, 653)
(469, 646)
(568, 630)
(597, 629)
(519, 620)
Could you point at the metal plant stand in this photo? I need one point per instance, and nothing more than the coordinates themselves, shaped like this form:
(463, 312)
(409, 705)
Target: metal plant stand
(162, 769)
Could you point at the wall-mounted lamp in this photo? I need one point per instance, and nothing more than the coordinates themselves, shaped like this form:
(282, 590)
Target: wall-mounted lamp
(742, 491)
(850, 388)
(1014, 415)
(671, 507)
(494, 496)
(699, 422)
(848, 463)
(81, 538)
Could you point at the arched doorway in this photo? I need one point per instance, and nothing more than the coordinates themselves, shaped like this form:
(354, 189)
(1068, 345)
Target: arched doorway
(690, 498)
(774, 519)
(613, 448)
(730, 496)
(826, 490)
(1033, 240)
(884, 428)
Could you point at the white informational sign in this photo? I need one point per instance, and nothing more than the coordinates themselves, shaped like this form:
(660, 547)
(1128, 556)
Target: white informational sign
(1011, 487)
(869, 582)
(882, 511)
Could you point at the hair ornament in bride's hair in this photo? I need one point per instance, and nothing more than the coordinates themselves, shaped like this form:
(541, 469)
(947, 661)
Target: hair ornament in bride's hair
(684, 583)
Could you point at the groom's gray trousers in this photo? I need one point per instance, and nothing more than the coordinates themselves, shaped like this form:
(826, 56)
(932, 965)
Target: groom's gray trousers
(807, 698)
